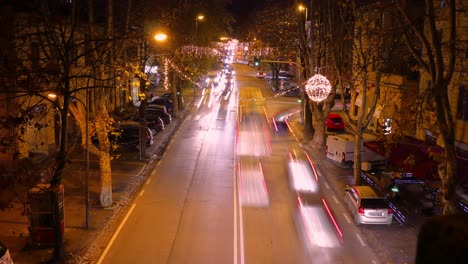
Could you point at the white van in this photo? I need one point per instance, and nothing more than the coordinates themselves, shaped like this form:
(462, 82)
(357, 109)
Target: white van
(340, 148)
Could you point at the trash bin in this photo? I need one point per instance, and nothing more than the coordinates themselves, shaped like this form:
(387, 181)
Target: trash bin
(5, 257)
(41, 214)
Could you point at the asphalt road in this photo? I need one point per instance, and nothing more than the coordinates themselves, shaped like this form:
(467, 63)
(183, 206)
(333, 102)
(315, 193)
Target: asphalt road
(222, 193)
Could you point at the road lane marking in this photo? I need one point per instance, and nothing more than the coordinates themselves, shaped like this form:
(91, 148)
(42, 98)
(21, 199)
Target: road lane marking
(374, 261)
(326, 185)
(347, 218)
(360, 240)
(148, 181)
(336, 200)
(103, 255)
(197, 117)
(188, 117)
(141, 193)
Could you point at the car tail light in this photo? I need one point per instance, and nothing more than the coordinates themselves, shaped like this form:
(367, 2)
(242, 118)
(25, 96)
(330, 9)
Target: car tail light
(389, 211)
(360, 210)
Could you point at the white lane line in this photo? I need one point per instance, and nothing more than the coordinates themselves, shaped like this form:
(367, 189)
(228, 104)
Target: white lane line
(148, 181)
(336, 200)
(241, 224)
(197, 117)
(347, 218)
(326, 185)
(188, 117)
(235, 211)
(141, 193)
(360, 240)
(103, 255)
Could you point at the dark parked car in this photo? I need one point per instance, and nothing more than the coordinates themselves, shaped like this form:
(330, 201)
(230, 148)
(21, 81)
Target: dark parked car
(130, 134)
(166, 118)
(163, 101)
(156, 106)
(127, 133)
(154, 122)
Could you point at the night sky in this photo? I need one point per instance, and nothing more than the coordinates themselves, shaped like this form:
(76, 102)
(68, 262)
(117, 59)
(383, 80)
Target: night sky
(243, 12)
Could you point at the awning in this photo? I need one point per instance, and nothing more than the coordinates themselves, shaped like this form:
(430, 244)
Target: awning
(423, 166)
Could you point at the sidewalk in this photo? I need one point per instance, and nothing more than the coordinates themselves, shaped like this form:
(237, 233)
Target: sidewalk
(129, 172)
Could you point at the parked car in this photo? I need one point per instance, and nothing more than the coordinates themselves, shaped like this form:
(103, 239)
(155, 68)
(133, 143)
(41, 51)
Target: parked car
(366, 206)
(166, 118)
(163, 101)
(334, 122)
(130, 134)
(156, 106)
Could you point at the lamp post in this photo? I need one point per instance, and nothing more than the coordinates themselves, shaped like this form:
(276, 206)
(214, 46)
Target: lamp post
(301, 9)
(198, 18)
(53, 97)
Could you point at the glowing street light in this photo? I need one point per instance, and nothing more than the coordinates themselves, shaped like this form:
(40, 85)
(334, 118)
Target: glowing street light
(160, 37)
(198, 18)
(302, 8)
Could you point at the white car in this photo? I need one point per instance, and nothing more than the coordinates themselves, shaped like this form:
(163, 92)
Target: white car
(366, 206)
(260, 74)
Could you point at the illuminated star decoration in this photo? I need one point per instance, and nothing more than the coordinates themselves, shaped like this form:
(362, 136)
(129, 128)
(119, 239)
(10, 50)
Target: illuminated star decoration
(318, 88)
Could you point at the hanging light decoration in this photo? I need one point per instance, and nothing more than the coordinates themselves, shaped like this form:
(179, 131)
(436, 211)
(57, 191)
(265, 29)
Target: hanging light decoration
(318, 88)
(166, 74)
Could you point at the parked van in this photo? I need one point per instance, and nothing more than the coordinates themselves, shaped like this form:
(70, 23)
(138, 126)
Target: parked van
(340, 148)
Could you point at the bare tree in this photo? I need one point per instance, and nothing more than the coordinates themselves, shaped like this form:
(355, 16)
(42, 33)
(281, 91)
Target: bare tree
(436, 53)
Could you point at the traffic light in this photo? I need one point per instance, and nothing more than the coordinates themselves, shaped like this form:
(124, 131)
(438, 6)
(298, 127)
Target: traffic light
(256, 61)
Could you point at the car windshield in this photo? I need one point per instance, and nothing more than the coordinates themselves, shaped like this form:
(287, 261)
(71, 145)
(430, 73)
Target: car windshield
(336, 119)
(374, 203)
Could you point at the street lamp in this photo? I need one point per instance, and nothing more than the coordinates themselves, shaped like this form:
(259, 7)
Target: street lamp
(301, 9)
(53, 97)
(198, 18)
(160, 37)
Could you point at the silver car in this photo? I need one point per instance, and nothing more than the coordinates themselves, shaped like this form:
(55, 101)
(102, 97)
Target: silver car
(366, 206)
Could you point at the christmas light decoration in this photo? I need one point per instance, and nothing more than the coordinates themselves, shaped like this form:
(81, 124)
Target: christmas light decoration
(318, 88)
(166, 74)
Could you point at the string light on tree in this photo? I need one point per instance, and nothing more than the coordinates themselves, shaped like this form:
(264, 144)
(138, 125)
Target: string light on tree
(318, 88)
(166, 72)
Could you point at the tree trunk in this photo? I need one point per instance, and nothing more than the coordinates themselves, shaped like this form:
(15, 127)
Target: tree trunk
(357, 158)
(104, 156)
(319, 128)
(105, 197)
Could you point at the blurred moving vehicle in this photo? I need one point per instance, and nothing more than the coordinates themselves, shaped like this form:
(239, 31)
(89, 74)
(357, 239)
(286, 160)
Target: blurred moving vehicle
(366, 206)
(260, 74)
(315, 220)
(302, 174)
(334, 122)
